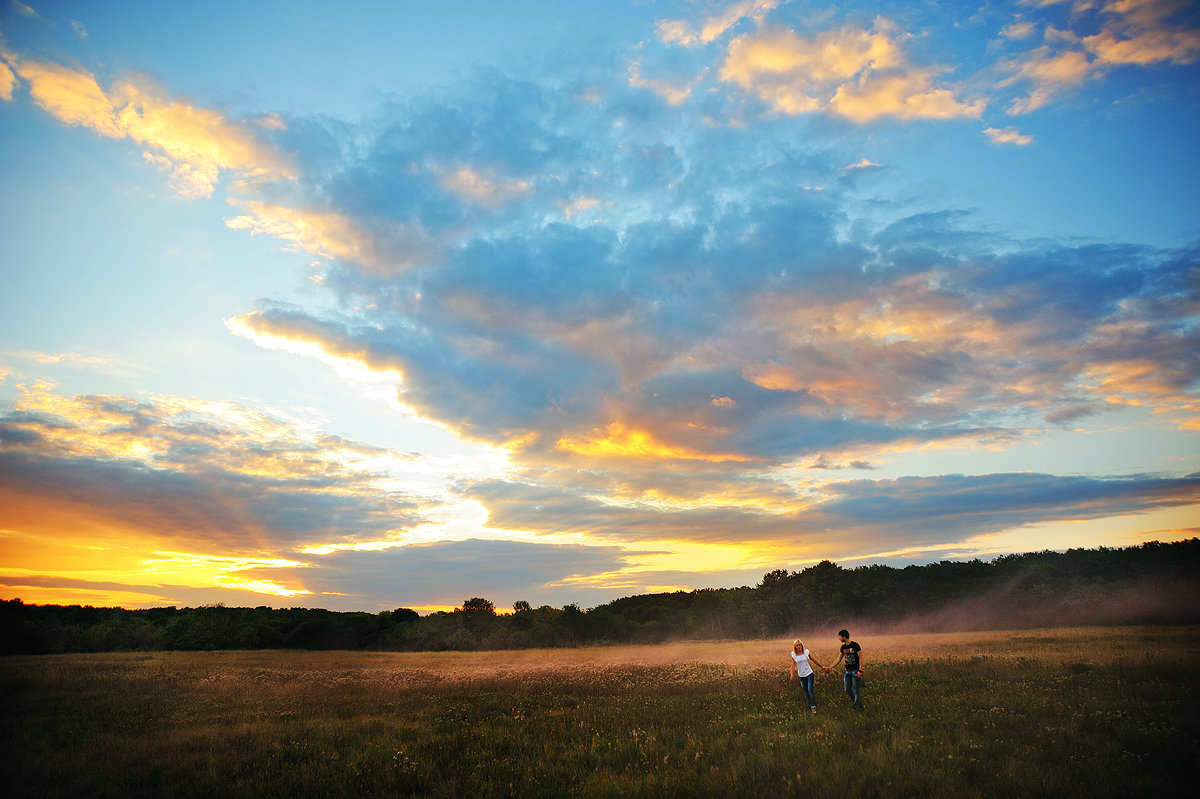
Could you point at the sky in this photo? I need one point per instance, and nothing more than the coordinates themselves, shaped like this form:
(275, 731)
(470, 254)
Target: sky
(394, 304)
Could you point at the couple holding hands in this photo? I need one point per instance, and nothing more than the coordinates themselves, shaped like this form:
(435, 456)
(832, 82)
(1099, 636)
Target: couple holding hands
(851, 657)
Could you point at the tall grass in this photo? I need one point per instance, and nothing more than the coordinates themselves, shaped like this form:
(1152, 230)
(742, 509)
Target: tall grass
(1102, 712)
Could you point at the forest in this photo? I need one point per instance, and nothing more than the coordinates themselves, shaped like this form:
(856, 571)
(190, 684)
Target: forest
(1152, 583)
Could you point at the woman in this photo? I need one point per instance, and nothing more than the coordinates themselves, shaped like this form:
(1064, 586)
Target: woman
(801, 668)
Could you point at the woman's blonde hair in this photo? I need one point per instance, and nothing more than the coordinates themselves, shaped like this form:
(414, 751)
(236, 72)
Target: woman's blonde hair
(797, 643)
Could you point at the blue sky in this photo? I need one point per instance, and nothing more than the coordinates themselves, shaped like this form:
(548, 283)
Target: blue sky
(396, 304)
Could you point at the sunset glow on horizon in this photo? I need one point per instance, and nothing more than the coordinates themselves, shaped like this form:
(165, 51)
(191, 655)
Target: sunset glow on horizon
(395, 305)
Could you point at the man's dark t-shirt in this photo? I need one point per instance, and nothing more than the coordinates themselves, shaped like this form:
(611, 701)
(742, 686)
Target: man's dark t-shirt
(850, 651)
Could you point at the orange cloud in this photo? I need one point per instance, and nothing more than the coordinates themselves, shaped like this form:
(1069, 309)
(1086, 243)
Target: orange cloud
(1146, 383)
(1142, 32)
(1048, 72)
(681, 32)
(191, 142)
(907, 95)
(859, 74)
(1132, 32)
(72, 96)
(332, 236)
(620, 441)
(60, 550)
(115, 493)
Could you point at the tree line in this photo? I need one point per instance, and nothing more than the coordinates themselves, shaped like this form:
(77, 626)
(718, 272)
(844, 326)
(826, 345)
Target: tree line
(1153, 583)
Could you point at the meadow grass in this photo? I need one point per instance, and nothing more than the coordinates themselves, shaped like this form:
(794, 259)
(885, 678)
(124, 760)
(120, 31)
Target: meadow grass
(1096, 711)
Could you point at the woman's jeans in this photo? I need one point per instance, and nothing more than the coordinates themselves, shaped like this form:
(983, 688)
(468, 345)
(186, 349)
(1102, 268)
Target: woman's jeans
(807, 684)
(853, 687)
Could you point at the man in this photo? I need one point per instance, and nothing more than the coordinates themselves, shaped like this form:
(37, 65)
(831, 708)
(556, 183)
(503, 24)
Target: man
(851, 653)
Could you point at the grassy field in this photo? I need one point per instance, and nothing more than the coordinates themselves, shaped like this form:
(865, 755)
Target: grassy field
(1096, 711)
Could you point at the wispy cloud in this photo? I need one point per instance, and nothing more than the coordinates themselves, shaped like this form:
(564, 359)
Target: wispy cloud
(1127, 33)
(1008, 136)
(682, 31)
(1146, 32)
(8, 81)
(194, 144)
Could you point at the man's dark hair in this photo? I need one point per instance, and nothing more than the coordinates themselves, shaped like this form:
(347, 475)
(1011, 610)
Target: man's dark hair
(844, 632)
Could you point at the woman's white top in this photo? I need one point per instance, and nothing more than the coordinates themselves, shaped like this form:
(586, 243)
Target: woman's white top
(802, 667)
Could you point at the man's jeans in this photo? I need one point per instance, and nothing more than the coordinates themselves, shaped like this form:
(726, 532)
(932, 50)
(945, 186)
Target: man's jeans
(853, 687)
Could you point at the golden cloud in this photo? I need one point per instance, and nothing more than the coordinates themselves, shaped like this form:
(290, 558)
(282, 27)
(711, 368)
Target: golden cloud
(859, 74)
(332, 236)
(176, 491)
(617, 440)
(1142, 32)
(907, 95)
(681, 32)
(325, 234)
(72, 96)
(1048, 72)
(193, 143)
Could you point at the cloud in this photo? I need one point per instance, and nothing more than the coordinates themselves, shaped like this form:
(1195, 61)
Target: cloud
(486, 190)
(837, 518)
(856, 73)
(8, 81)
(1146, 32)
(211, 488)
(601, 340)
(865, 74)
(1008, 136)
(673, 93)
(503, 571)
(1127, 33)
(1018, 29)
(682, 32)
(193, 143)
(983, 504)
(1049, 72)
(72, 96)
(330, 235)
